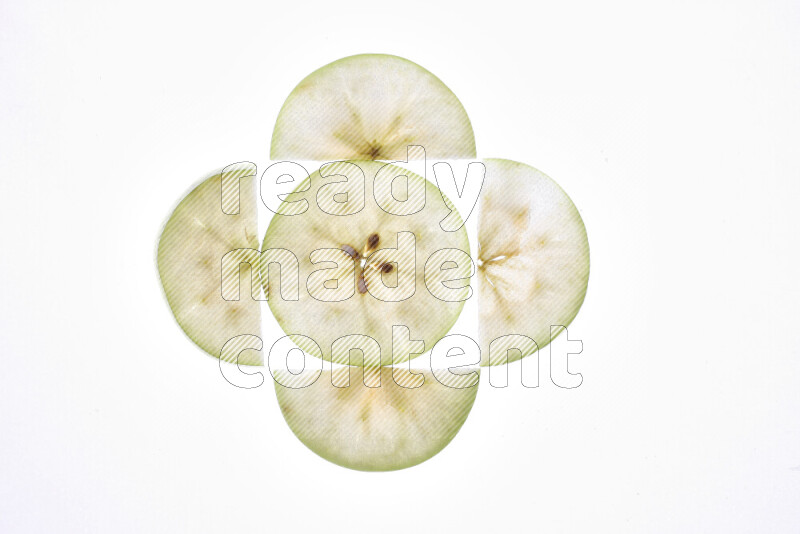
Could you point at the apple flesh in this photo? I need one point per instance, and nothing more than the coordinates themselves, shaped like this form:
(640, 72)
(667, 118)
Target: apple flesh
(533, 263)
(371, 107)
(385, 428)
(194, 240)
(362, 273)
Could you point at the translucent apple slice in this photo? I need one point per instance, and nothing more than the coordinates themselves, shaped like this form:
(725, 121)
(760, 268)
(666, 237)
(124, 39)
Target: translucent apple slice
(383, 428)
(352, 280)
(194, 240)
(534, 260)
(371, 106)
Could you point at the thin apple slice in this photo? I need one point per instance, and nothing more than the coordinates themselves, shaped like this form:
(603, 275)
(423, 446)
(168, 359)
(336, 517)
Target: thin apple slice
(358, 301)
(371, 106)
(194, 240)
(381, 428)
(533, 259)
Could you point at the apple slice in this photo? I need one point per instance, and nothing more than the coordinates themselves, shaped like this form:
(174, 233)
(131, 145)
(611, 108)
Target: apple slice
(352, 281)
(533, 260)
(381, 428)
(194, 240)
(371, 106)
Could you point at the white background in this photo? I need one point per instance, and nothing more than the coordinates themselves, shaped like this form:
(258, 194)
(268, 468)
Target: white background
(674, 128)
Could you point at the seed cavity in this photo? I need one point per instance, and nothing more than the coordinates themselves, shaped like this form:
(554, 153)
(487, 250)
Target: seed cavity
(362, 285)
(371, 244)
(374, 150)
(373, 241)
(353, 253)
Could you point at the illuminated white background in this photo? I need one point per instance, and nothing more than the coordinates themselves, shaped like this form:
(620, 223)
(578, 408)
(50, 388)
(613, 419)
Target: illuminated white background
(674, 127)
